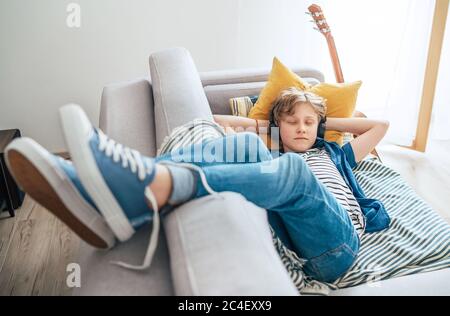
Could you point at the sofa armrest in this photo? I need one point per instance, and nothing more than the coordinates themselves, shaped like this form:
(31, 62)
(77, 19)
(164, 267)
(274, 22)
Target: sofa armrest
(252, 75)
(222, 245)
(127, 115)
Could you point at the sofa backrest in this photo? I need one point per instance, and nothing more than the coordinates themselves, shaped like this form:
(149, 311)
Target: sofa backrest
(177, 91)
(127, 115)
(221, 86)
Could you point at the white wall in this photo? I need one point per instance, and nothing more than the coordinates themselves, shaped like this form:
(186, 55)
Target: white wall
(45, 64)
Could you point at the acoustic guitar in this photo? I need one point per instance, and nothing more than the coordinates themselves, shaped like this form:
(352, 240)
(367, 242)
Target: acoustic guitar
(322, 26)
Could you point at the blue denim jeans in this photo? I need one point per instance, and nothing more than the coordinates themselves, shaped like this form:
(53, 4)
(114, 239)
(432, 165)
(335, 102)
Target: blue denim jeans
(303, 213)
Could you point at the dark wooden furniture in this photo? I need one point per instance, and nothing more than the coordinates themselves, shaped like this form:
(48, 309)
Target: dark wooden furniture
(9, 191)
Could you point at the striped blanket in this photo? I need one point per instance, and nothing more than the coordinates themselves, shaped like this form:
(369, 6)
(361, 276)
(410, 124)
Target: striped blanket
(418, 239)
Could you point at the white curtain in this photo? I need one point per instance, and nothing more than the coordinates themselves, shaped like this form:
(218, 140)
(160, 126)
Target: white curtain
(441, 112)
(384, 43)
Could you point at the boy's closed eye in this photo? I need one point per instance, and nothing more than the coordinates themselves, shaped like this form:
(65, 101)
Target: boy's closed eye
(309, 122)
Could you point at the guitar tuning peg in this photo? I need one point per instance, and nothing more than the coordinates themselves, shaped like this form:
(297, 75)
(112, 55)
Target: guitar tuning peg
(315, 28)
(308, 13)
(312, 21)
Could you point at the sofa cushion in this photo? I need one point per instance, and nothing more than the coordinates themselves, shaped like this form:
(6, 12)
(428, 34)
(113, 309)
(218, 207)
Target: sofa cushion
(177, 91)
(241, 106)
(281, 78)
(341, 102)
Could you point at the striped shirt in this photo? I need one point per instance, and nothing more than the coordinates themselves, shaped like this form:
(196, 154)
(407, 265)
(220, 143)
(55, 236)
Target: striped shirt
(319, 161)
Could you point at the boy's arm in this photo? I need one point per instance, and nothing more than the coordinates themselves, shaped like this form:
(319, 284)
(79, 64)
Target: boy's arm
(370, 133)
(241, 124)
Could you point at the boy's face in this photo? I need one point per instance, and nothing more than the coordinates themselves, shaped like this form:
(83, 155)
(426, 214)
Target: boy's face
(298, 131)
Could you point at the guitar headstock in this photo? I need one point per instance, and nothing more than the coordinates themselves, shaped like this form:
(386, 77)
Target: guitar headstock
(319, 19)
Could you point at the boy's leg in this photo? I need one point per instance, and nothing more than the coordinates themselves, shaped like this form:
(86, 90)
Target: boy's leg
(303, 213)
(318, 226)
(233, 149)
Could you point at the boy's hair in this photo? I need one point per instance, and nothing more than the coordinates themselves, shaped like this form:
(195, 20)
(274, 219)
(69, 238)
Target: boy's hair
(288, 99)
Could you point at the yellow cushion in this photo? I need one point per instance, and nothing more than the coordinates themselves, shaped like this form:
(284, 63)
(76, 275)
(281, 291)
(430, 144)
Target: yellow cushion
(281, 78)
(341, 103)
(341, 97)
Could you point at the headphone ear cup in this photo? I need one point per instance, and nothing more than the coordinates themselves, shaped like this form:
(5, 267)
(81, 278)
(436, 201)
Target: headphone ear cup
(321, 129)
(272, 120)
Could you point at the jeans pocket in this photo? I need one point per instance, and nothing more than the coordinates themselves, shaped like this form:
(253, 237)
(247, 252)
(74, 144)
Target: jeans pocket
(331, 265)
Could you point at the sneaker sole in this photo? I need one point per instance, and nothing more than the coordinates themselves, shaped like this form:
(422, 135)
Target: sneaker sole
(41, 178)
(77, 132)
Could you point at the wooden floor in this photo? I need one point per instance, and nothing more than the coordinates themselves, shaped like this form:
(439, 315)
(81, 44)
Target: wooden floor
(35, 248)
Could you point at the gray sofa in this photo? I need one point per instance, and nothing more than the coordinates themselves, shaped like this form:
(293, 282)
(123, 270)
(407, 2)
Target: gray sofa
(214, 245)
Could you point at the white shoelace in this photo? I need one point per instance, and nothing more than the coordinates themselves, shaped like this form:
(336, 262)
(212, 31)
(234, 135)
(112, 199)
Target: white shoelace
(129, 157)
(154, 236)
(133, 159)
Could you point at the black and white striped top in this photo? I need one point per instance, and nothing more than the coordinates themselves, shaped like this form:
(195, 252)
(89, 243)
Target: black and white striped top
(319, 161)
